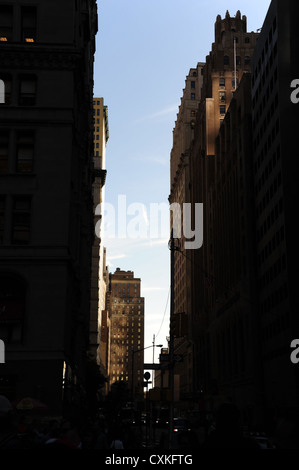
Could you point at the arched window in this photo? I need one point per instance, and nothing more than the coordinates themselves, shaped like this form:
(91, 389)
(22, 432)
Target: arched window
(12, 308)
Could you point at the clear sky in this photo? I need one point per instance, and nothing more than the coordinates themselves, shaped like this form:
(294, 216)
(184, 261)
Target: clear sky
(144, 50)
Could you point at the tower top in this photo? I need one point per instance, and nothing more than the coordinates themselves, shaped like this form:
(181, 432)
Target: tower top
(230, 23)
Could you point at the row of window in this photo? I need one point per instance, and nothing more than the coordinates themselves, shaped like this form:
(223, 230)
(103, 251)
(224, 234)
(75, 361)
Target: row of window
(272, 190)
(275, 298)
(264, 53)
(226, 60)
(23, 86)
(261, 87)
(267, 120)
(15, 219)
(276, 240)
(269, 167)
(124, 290)
(271, 219)
(274, 271)
(18, 27)
(122, 284)
(235, 82)
(267, 170)
(16, 151)
(268, 143)
(281, 323)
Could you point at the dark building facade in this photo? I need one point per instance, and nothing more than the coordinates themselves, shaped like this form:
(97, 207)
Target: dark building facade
(46, 203)
(234, 369)
(275, 158)
(244, 278)
(229, 58)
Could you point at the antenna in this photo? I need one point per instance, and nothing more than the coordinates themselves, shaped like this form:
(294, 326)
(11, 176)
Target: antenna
(235, 64)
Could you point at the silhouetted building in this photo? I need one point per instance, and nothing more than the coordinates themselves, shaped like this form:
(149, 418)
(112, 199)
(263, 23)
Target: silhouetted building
(46, 203)
(275, 157)
(234, 368)
(126, 330)
(228, 60)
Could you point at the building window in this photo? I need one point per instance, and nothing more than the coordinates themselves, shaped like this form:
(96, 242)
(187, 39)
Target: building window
(21, 220)
(222, 96)
(238, 60)
(25, 151)
(192, 96)
(222, 109)
(6, 23)
(4, 143)
(247, 60)
(12, 308)
(192, 84)
(247, 40)
(226, 60)
(28, 24)
(222, 82)
(27, 90)
(235, 82)
(7, 83)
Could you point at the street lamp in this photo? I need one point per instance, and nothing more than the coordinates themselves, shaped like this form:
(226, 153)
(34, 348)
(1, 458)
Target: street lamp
(133, 353)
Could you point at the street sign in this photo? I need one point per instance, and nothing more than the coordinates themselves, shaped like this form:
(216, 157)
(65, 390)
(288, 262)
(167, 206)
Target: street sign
(147, 375)
(145, 384)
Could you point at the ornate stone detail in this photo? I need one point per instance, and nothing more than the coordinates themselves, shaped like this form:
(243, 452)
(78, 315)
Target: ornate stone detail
(38, 59)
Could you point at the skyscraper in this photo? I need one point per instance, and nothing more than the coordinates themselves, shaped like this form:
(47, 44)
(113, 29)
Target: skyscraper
(180, 178)
(46, 204)
(98, 276)
(126, 330)
(275, 156)
(229, 58)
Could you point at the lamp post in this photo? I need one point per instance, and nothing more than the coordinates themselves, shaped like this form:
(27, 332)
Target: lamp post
(132, 363)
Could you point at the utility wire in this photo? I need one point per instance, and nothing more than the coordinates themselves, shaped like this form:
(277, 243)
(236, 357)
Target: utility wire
(163, 315)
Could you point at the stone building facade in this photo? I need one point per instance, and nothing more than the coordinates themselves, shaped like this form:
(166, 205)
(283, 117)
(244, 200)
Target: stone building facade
(46, 203)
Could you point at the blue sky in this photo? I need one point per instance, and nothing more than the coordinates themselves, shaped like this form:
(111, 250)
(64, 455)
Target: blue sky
(144, 50)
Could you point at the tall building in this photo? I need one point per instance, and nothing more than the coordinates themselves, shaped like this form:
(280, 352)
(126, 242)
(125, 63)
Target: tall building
(222, 72)
(99, 275)
(275, 155)
(126, 330)
(46, 203)
(234, 367)
(180, 180)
